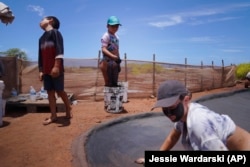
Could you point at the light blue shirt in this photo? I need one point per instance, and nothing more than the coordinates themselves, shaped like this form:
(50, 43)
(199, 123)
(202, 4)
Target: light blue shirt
(205, 129)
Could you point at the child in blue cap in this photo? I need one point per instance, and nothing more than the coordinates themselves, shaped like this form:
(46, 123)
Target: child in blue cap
(110, 63)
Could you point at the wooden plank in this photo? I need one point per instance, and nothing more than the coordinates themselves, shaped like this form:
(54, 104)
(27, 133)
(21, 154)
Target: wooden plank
(22, 100)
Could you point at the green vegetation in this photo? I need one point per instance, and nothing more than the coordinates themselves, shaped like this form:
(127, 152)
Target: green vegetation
(16, 52)
(242, 70)
(145, 68)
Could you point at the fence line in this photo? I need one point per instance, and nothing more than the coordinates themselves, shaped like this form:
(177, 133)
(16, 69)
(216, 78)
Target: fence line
(84, 79)
(144, 77)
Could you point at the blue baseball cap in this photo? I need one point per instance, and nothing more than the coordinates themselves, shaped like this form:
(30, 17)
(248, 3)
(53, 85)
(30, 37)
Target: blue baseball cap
(113, 20)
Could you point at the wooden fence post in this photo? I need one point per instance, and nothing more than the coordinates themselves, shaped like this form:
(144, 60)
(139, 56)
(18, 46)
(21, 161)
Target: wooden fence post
(213, 74)
(126, 69)
(19, 72)
(222, 73)
(186, 72)
(97, 73)
(201, 76)
(153, 86)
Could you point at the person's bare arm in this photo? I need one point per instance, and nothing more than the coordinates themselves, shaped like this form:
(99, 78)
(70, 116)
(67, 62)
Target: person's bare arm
(239, 140)
(112, 55)
(56, 69)
(169, 143)
(170, 140)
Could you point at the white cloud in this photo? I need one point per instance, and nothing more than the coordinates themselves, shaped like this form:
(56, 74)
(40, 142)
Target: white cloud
(197, 17)
(38, 9)
(169, 21)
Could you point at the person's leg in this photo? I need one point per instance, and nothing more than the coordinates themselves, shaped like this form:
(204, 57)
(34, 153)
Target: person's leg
(66, 101)
(52, 104)
(103, 68)
(59, 87)
(110, 73)
(48, 85)
(115, 73)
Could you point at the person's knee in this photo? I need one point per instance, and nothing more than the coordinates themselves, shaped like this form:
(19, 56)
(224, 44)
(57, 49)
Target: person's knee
(60, 93)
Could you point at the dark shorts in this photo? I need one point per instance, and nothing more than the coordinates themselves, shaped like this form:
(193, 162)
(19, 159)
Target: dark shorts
(56, 84)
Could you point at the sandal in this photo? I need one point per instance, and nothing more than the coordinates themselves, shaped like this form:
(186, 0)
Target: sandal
(48, 121)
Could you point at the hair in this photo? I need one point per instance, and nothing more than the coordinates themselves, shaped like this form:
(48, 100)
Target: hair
(182, 96)
(55, 23)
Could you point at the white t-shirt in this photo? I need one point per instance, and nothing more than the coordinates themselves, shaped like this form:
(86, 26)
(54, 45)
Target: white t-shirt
(248, 75)
(205, 129)
(111, 42)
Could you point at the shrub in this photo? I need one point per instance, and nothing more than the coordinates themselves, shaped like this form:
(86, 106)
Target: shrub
(242, 70)
(145, 68)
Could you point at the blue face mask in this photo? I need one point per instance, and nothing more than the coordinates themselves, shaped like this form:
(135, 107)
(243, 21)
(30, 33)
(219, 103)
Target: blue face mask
(178, 112)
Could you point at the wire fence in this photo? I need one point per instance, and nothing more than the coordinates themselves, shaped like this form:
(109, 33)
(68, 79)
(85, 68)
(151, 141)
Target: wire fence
(84, 79)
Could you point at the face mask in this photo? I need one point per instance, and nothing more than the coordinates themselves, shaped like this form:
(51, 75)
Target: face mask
(178, 112)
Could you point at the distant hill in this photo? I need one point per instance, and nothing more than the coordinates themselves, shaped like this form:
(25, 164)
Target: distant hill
(80, 62)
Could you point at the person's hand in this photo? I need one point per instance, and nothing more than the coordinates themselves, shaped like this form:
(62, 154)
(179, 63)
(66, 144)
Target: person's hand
(140, 161)
(41, 76)
(55, 72)
(118, 61)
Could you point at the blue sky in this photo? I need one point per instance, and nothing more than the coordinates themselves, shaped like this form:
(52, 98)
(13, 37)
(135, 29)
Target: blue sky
(198, 30)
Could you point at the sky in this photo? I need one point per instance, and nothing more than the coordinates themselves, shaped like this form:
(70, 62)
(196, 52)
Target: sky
(198, 30)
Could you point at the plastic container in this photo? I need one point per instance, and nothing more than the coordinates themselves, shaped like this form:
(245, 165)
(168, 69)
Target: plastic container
(13, 92)
(32, 93)
(113, 97)
(125, 92)
(43, 93)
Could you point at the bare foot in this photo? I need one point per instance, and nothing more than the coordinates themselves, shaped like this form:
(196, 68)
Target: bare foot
(48, 121)
(69, 113)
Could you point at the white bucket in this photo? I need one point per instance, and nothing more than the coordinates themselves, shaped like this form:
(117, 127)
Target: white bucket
(125, 92)
(113, 97)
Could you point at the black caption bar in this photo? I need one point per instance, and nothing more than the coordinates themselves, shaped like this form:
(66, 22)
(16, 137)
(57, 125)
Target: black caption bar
(194, 158)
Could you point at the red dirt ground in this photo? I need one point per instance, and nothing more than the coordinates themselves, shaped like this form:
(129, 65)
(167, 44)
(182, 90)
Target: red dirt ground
(25, 142)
